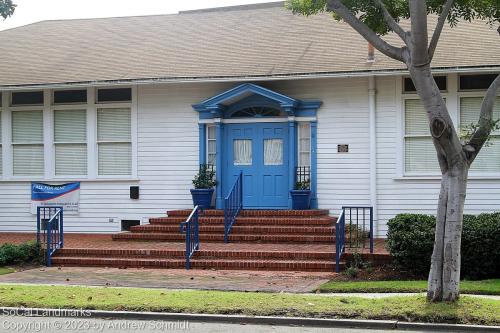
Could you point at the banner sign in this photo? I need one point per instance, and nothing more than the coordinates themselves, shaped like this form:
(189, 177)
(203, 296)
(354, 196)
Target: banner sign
(65, 195)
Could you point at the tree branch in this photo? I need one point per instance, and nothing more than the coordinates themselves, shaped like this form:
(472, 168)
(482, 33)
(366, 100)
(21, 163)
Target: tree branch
(439, 27)
(419, 37)
(391, 22)
(485, 123)
(377, 42)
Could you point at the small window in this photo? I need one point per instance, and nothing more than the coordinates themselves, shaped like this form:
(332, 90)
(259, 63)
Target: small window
(114, 95)
(70, 140)
(70, 96)
(476, 82)
(304, 144)
(242, 150)
(211, 145)
(258, 112)
(27, 98)
(440, 81)
(273, 152)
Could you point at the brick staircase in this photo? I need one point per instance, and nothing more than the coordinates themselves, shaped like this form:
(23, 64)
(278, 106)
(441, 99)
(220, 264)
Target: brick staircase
(260, 240)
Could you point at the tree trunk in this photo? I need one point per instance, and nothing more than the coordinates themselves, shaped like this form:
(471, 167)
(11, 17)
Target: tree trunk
(444, 277)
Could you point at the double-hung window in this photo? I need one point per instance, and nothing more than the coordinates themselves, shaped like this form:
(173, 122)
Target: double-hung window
(70, 141)
(114, 141)
(211, 145)
(488, 159)
(304, 144)
(27, 143)
(419, 152)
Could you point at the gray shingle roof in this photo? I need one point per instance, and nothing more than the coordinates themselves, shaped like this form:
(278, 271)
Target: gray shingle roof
(236, 42)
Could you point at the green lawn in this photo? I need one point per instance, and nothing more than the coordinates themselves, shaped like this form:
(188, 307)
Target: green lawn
(6, 270)
(484, 287)
(467, 310)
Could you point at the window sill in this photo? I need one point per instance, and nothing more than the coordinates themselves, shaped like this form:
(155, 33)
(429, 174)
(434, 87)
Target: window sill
(61, 180)
(438, 177)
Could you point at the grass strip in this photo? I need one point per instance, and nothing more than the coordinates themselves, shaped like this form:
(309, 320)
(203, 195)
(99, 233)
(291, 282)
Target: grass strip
(484, 287)
(467, 310)
(6, 270)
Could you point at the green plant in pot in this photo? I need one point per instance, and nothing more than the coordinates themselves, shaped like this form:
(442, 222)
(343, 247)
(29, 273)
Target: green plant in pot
(204, 183)
(301, 195)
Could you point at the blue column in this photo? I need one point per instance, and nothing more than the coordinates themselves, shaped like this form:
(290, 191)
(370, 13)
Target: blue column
(314, 164)
(203, 146)
(292, 153)
(219, 203)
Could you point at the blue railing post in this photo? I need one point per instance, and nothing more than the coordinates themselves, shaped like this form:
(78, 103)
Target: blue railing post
(38, 227)
(49, 244)
(233, 204)
(50, 236)
(61, 230)
(371, 230)
(191, 228)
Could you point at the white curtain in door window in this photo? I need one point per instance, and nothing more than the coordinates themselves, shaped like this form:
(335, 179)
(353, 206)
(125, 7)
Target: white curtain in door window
(242, 152)
(273, 152)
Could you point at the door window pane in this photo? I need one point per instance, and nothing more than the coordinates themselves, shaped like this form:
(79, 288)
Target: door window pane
(273, 152)
(242, 151)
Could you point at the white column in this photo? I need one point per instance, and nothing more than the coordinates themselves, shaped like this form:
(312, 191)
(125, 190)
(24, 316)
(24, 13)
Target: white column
(372, 106)
(6, 137)
(48, 136)
(91, 133)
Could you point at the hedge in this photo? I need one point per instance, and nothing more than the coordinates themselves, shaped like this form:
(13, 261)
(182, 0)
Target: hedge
(410, 240)
(24, 253)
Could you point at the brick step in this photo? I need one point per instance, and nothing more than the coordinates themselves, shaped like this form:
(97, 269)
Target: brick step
(302, 221)
(221, 264)
(246, 212)
(201, 254)
(255, 229)
(271, 238)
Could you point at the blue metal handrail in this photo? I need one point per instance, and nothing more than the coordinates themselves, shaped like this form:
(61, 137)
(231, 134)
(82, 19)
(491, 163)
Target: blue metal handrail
(233, 204)
(359, 219)
(339, 240)
(191, 228)
(49, 230)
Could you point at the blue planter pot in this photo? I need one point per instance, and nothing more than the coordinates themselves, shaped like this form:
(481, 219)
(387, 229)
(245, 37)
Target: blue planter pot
(301, 199)
(202, 197)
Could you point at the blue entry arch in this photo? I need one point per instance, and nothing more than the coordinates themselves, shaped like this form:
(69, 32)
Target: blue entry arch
(254, 109)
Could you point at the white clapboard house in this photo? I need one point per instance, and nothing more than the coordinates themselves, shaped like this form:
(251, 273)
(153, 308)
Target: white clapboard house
(141, 102)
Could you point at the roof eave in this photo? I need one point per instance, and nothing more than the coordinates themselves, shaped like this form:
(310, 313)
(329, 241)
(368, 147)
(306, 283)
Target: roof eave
(250, 78)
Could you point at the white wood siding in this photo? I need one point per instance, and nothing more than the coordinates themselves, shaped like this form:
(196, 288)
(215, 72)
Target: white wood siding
(167, 158)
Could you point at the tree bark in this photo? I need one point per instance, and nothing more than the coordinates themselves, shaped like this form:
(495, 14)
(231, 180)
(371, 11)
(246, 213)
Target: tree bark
(444, 277)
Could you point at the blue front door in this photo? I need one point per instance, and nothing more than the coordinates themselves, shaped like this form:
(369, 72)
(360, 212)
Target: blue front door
(260, 151)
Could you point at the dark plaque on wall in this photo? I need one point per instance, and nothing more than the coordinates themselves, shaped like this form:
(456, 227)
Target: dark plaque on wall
(342, 148)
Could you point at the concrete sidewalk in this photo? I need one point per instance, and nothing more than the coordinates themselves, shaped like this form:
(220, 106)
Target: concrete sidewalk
(292, 282)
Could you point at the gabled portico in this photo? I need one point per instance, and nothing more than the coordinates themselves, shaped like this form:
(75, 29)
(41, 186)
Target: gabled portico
(257, 131)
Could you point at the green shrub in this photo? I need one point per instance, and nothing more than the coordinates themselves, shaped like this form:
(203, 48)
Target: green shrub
(410, 241)
(481, 246)
(24, 253)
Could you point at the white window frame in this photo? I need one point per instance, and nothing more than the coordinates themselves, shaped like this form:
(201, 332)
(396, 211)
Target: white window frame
(403, 96)
(474, 93)
(207, 144)
(48, 136)
(68, 107)
(299, 151)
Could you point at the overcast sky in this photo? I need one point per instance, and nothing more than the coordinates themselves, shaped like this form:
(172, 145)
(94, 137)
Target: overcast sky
(29, 11)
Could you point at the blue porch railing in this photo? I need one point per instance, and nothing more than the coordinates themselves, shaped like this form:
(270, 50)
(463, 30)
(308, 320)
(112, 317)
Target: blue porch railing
(191, 228)
(358, 228)
(49, 230)
(233, 204)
